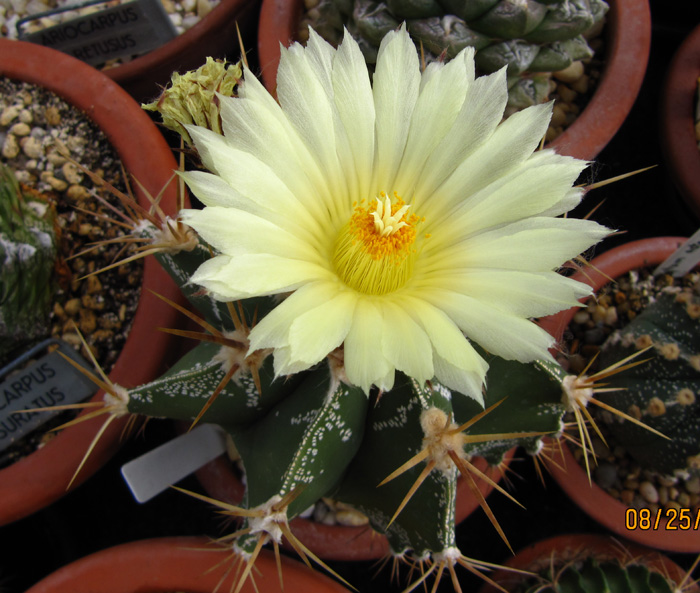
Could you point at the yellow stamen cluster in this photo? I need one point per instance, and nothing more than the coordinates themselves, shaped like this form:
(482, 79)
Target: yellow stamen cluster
(374, 250)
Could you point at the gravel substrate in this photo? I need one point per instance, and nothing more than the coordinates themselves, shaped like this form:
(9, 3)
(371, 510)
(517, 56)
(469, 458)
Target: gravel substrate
(32, 121)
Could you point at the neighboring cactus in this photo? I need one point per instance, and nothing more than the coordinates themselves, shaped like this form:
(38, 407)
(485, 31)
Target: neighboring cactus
(594, 576)
(532, 38)
(28, 254)
(663, 393)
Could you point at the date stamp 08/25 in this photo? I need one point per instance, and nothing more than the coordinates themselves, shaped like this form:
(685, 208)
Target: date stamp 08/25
(668, 519)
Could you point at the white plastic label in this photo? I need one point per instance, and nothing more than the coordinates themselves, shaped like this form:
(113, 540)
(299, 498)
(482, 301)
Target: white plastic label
(683, 260)
(158, 469)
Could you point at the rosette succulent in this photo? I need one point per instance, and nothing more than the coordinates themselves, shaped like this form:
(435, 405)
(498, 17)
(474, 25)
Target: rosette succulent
(531, 38)
(365, 270)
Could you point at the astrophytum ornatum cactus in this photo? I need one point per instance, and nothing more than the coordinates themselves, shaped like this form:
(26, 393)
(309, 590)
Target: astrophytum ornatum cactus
(531, 38)
(398, 238)
(663, 392)
(28, 254)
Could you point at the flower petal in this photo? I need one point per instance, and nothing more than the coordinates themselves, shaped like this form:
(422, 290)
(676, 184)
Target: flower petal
(364, 362)
(355, 105)
(481, 112)
(498, 332)
(458, 365)
(512, 142)
(441, 97)
(395, 87)
(236, 232)
(520, 293)
(404, 343)
(533, 245)
(273, 330)
(319, 331)
(244, 276)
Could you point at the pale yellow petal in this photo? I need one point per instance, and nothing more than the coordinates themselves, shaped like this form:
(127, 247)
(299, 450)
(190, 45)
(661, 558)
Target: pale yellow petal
(526, 191)
(500, 333)
(246, 276)
(404, 343)
(306, 100)
(439, 102)
(520, 293)
(481, 112)
(320, 330)
(512, 142)
(457, 364)
(533, 244)
(273, 330)
(395, 88)
(355, 104)
(236, 232)
(365, 364)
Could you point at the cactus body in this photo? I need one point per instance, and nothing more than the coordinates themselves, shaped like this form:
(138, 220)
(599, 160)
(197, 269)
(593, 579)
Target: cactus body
(28, 252)
(592, 576)
(662, 393)
(532, 38)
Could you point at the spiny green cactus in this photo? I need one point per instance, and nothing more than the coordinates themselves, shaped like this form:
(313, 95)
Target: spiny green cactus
(28, 253)
(303, 428)
(314, 435)
(532, 38)
(594, 576)
(662, 393)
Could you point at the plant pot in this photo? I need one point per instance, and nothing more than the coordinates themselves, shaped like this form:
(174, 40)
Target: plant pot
(338, 542)
(177, 564)
(628, 41)
(677, 122)
(539, 556)
(572, 478)
(42, 477)
(214, 36)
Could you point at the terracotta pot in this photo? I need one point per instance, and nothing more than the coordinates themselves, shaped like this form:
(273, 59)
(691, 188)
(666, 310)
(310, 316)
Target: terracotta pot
(677, 124)
(215, 35)
(177, 564)
(627, 52)
(43, 477)
(337, 542)
(538, 556)
(572, 478)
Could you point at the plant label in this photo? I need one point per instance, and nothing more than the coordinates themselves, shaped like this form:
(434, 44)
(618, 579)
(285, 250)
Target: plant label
(153, 472)
(40, 378)
(100, 30)
(683, 260)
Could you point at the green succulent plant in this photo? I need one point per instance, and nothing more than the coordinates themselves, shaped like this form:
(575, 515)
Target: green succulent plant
(593, 576)
(663, 392)
(28, 252)
(309, 432)
(531, 38)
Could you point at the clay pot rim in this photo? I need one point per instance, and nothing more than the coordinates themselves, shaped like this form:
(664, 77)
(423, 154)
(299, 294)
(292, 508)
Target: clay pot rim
(533, 556)
(339, 542)
(627, 54)
(572, 478)
(164, 565)
(677, 122)
(42, 477)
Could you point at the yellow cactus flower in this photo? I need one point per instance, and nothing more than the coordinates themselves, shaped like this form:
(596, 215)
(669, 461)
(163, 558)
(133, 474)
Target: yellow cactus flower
(397, 217)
